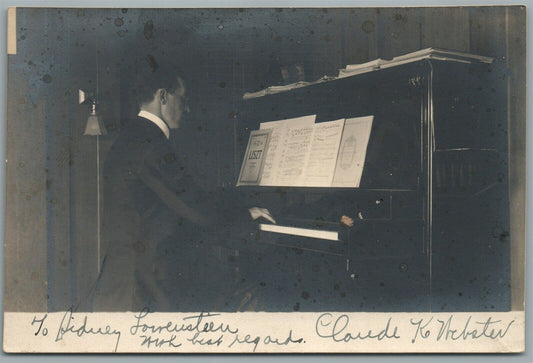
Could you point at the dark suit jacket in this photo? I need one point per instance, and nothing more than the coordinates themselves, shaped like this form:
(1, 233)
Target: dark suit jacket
(152, 228)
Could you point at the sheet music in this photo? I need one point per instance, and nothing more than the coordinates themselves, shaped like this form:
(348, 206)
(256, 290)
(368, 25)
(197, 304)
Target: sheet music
(322, 156)
(294, 152)
(302, 153)
(352, 152)
(277, 145)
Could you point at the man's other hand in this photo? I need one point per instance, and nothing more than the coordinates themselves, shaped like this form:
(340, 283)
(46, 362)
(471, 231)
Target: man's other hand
(347, 221)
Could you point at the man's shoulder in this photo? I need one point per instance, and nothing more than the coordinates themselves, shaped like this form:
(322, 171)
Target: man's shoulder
(138, 142)
(139, 138)
(140, 127)
(140, 132)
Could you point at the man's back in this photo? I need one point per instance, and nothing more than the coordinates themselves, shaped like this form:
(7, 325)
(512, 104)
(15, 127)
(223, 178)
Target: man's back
(136, 221)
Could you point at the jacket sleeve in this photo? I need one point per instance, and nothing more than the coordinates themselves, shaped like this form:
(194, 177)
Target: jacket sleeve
(162, 172)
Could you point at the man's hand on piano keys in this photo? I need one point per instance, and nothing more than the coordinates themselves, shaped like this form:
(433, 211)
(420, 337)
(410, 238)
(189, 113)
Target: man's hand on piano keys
(257, 212)
(347, 221)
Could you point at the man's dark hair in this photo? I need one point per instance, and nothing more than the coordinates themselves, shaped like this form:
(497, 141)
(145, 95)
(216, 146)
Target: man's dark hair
(151, 75)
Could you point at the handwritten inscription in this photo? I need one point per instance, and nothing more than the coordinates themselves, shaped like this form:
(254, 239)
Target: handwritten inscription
(40, 323)
(255, 341)
(149, 341)
(196, 324)
(146, 331)
(451, 330)
(338, 329)
(202, 327)
(75, 326)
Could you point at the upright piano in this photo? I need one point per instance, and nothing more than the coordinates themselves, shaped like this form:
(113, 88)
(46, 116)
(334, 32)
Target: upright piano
(431, 212)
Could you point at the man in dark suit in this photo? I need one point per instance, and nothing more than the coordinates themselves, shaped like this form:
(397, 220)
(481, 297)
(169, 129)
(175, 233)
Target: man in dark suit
(154, 213)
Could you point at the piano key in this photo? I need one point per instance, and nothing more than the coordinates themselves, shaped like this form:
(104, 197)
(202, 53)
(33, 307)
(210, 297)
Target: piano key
(304, 232)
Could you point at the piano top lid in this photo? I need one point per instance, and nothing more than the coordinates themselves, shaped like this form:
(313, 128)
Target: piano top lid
(355, 69)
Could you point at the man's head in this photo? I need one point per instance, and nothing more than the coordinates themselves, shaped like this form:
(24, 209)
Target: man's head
(173, 103)
(160, 89)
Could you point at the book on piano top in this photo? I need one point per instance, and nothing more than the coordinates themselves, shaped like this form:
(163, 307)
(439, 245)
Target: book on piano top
(376, 64)
(427, 53)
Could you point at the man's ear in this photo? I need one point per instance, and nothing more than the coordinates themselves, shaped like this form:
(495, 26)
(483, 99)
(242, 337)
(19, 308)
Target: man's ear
(162, 95)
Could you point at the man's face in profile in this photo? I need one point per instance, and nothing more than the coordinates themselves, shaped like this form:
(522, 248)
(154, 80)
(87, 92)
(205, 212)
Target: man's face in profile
(176, 104)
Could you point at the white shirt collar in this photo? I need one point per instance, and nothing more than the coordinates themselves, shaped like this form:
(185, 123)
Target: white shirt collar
(156, 120)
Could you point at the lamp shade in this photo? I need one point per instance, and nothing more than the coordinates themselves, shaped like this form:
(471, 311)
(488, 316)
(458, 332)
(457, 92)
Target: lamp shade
(95, 126)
